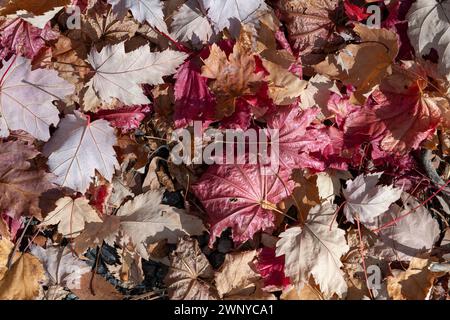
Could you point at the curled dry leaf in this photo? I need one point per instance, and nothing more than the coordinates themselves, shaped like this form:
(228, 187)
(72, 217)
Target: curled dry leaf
(145, 221)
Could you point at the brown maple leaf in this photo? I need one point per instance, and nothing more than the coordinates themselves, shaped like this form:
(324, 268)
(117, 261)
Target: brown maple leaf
(363, 65)
(233, 76)
(190, 273)
(35, 7)
(21, 184)
(311, 24)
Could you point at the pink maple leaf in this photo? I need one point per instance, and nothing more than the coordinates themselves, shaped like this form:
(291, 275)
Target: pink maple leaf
(22, 38)
(126, 119)
(240, 197)
(15, 225)
(299, 138)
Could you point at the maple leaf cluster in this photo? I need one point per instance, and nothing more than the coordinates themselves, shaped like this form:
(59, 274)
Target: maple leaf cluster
(92, 205)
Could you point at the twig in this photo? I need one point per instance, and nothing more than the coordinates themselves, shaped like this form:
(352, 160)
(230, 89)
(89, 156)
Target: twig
(17, 244)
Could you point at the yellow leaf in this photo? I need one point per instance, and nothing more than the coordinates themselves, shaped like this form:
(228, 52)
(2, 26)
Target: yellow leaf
(21, 281)
(6, 247)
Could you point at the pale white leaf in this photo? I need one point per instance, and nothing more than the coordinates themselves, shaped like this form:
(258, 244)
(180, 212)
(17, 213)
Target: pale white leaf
(328, 186)
(119, 74)
(78, 148)
(150, 11)
(26, 98)
(429, 28)
(230, 14)
(365, 200)
(191, 24)
(412, 234)
(315, 250)
(61, 265)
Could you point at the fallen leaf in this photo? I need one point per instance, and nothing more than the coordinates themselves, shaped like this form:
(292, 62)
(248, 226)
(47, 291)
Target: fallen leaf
(190, 273)
(119, 74)
(310, 23)
(233, 75)
(21, 281)
(78, 142)
(101, 289)
(315, 249)
(236, 275)
(36, 8)
(22, 38)
(428, 28)
(191, 24)
(229, 14)
(145, 220)
(363, 65)
(95, 233)
(413, 284)
(26, 97)
(149, 11)
(71, 216)
(366, 200)
(242, 198)
(21, 183)
(284, 86)
(411, 235)
(61, 265)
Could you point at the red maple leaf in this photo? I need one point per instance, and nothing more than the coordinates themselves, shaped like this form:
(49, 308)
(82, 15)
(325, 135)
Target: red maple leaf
(126, 119)
(240, 197)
